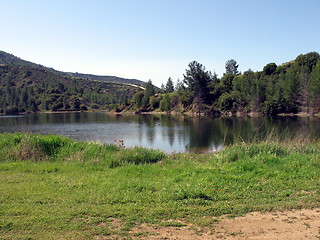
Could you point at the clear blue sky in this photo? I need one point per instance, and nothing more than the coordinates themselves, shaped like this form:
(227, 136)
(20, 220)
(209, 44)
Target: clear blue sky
(156, 39)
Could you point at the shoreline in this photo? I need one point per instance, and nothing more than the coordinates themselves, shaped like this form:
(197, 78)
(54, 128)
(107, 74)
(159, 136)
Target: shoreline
(224, 114)
(176, 113)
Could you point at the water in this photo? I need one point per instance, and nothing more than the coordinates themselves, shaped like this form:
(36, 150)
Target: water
(168, 133)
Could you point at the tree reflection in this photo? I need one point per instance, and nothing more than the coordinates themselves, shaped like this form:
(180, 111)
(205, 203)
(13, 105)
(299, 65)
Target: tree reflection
(169, 133)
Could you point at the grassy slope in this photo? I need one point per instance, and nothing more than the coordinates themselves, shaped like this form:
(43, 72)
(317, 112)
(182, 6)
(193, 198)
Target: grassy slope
(55, 187)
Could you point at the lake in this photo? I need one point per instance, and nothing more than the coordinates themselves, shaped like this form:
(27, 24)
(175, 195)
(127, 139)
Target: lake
(165, 132)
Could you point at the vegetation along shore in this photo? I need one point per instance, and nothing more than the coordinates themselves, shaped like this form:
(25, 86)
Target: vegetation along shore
(56, 187)
(290, 88)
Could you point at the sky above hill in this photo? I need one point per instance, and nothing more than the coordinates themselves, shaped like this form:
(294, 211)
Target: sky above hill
(157, 39)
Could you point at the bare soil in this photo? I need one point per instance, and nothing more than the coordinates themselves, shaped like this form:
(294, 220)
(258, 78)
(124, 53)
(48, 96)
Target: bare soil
(277, 225)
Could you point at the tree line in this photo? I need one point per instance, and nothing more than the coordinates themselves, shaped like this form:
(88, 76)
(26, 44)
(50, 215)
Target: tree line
(285, 89)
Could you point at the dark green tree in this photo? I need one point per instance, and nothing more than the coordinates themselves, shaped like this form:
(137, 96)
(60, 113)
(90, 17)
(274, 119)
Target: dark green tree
(269, 68)
(169, 86)
(148, 93)
(226, 82)
(232, 67)
(137, 99)
(307, 61)
(165, 103)
(197, 80)
(314, 87)
(291, 89)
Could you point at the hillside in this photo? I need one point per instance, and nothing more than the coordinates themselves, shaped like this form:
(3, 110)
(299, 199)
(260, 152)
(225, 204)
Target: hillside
(106, 78)
(32, 88)
(6, 58)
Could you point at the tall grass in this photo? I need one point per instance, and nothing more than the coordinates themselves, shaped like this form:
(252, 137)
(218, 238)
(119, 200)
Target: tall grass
(21, 146)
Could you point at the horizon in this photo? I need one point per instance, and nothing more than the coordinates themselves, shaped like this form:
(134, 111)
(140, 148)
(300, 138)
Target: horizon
(144, 40)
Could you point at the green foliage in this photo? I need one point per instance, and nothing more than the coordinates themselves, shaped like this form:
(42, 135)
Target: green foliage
(226, 83)
(175, 99)
(229, 101)
(155, 101)
(307, 61)
(165, 103)
(287, 88)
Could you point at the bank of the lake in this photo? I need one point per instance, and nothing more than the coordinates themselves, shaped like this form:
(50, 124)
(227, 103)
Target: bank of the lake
(170, 133)
(56, 187)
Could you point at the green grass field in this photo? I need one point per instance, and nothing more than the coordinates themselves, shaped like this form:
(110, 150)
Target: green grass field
(53, 187)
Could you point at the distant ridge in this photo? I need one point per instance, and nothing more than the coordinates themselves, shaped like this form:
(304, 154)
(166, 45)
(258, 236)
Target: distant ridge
(105, 78)
(7, 58)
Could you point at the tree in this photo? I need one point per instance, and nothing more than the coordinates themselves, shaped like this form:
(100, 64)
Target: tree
(155, 101)
(314, 87)
(137, 99)
(291, 88)
(229, 101)
(197, 80)
(169, 86)
(165, 103)
(232, 67)
(269, 68)
(308, 61)
(179, 86)
(226, 82)
(148, 93)
(163, 88)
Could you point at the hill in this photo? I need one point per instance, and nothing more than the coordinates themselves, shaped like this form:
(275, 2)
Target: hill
(32, 88)
(6, 58)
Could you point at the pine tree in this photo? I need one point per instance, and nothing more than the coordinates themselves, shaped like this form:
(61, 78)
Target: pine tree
(314, 87)
(197, 80)
(232, 67)
(148, 93)
(169, 86)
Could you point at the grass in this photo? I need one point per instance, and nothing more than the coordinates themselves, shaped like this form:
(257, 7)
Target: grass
(63, 189)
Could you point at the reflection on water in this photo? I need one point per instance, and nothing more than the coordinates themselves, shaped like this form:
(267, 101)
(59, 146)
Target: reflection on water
(169, 133)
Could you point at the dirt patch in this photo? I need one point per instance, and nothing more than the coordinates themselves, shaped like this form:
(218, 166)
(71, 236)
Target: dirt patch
(295, 224)
(286, 225)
